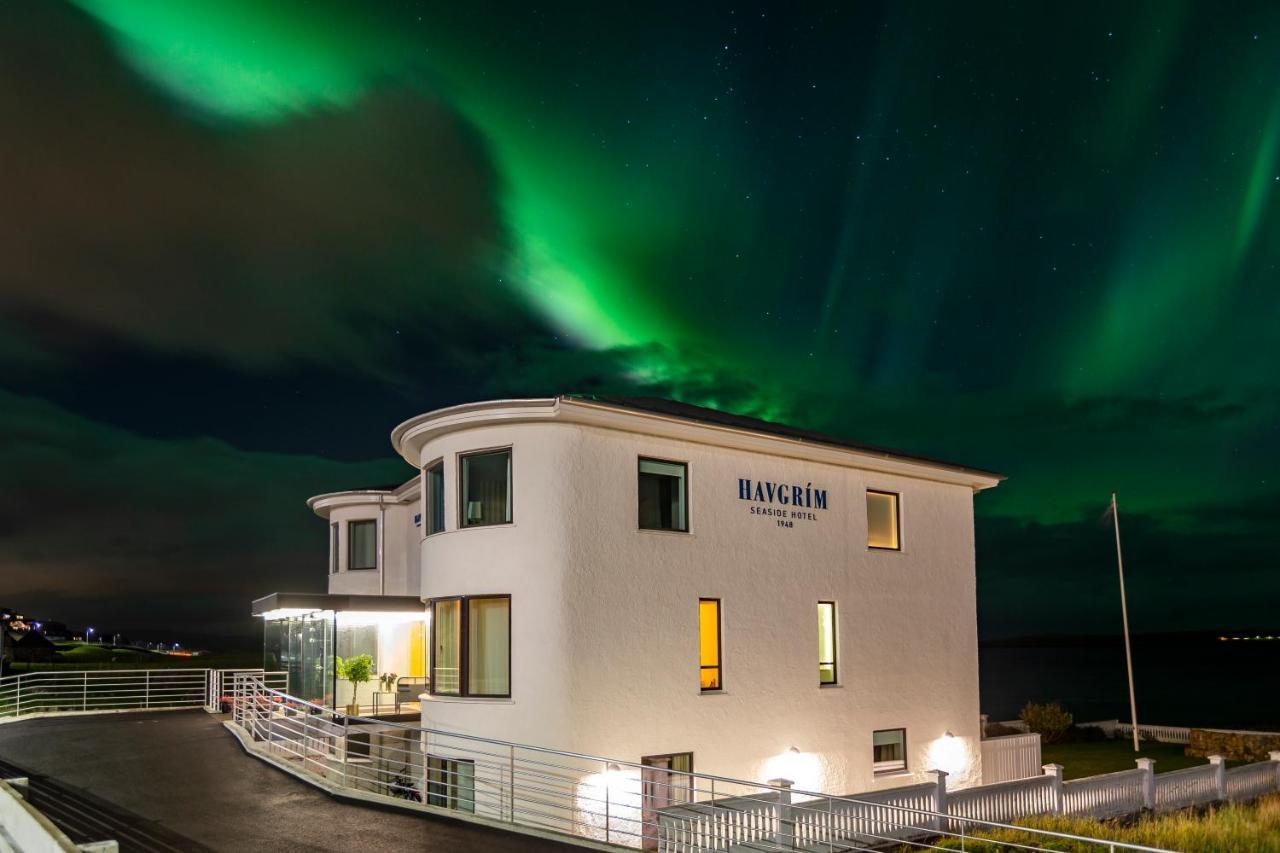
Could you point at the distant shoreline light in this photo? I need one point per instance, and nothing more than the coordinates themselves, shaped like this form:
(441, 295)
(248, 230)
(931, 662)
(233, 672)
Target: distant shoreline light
(1254, 637)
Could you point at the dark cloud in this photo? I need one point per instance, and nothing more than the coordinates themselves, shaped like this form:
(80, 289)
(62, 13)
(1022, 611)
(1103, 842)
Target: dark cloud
(315, 239)
(1192, 575)
(100, 525)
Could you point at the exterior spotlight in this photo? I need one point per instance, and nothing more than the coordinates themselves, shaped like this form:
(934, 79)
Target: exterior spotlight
(613, 767)
(797, 751)
(948, 733)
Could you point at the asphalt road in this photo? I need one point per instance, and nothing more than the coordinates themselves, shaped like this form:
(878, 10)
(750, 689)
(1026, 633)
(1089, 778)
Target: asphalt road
(180, 775)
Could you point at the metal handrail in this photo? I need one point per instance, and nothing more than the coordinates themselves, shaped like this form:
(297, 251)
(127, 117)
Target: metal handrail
(260, 719)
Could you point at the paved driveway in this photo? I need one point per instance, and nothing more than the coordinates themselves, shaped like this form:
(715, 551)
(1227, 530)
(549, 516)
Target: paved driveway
(180, 771)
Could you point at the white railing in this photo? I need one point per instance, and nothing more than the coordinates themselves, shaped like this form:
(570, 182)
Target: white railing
(1107, 795)
(1252, 780)
(1179, 789)
(586, 798)
(109, 690)
(1160, 734)
(1005, 801)
(1010, 757)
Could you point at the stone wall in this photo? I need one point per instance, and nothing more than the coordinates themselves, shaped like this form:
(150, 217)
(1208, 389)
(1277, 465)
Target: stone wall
(1235, 745)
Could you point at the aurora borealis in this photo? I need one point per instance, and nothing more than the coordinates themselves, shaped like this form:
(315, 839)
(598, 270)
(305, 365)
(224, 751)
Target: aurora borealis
(244, 239)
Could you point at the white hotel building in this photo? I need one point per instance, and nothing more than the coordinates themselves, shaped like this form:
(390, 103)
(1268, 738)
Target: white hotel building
(659, 583)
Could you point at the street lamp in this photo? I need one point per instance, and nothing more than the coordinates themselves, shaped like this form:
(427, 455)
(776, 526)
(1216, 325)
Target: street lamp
(88, 635)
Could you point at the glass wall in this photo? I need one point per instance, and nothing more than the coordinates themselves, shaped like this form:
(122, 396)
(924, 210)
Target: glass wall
(306, 647)
(302, 647)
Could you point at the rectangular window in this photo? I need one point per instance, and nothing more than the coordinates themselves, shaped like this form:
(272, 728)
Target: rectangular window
(451, 783)
(489, 646)
(333, 549)
(362, 544)
(435, 498)
(889, 751)
(826, 642)
(486, 488)
(471, 645)
(446, 633)
(883, 528)
(709, 643)
(663, 495)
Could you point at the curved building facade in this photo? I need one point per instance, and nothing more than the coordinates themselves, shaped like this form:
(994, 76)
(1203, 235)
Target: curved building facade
(663, 583)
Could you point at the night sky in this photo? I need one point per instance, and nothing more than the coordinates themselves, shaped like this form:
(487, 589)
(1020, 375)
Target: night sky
(242, 239)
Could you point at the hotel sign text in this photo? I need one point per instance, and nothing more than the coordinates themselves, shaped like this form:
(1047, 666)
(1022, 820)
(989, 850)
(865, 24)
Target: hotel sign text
(785, 503)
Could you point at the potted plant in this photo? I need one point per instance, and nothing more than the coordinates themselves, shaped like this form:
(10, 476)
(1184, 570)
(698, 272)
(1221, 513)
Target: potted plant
(388, 680)
(357, 670)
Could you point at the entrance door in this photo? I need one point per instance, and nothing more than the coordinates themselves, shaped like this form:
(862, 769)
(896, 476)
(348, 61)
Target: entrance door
(664, 781)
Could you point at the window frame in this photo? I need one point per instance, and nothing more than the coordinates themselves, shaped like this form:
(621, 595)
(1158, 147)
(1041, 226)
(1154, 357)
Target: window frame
(351, 540)
(834, 663)
(684, 495)
(464, 647)
(887, 771)
(719, 664)
(897, 521)
(511, 486)
(448, 799)
(428, 506)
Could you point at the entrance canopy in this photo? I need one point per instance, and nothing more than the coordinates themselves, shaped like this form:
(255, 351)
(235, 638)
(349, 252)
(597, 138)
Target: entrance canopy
(305, 634)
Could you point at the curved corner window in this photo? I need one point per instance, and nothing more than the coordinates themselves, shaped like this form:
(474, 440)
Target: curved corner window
(362, 544)
(471, 646)
(333, 548)
(485, 488)
(435, 498)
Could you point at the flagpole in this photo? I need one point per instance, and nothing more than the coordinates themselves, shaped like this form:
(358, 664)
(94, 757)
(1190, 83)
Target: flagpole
(1124, 615)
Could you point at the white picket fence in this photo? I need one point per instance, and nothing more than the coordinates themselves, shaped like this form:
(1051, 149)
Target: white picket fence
(1160, 734)
(1010, 757)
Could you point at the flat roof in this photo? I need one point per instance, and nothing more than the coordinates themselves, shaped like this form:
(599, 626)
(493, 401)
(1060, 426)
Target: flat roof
(702, 414)
(346, 603)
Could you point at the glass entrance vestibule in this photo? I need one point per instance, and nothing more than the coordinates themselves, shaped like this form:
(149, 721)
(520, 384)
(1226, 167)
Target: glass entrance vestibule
(309, 636)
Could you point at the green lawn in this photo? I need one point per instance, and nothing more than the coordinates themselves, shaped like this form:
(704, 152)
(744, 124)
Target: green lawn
(1250, 828)
(1105, 756)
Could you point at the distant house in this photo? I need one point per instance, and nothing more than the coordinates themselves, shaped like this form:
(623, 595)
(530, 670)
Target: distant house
(29, 647)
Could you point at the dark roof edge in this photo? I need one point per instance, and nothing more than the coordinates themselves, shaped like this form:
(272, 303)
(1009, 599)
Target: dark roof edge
(715, 417)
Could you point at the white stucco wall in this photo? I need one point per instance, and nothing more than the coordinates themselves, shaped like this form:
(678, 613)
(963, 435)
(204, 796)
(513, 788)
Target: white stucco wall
(604, 616)
(398, 571)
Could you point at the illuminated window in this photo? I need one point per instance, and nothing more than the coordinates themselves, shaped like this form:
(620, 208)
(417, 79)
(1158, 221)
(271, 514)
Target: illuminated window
(826, 642)
(882, 521)
(663, 495)
(435, 498)
(709, 643)
(362, 544)
(889, 751)
(486, 488)
(481, 667)
(333, 549)
(446, 645)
